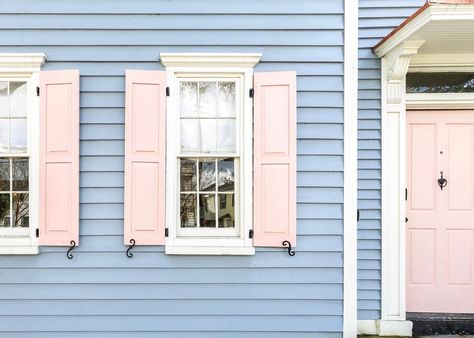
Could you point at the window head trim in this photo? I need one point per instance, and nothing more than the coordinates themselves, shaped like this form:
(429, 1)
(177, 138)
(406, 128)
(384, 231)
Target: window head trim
(231, 60)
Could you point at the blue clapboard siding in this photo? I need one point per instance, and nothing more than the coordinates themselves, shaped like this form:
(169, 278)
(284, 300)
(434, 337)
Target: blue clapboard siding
(377, 18)
(101, 293)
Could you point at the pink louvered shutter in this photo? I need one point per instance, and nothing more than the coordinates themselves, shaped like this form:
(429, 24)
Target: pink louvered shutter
(274, 159)
(145, 117)
(59, 157)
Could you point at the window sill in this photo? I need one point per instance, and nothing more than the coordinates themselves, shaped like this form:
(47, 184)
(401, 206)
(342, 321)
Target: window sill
(18, 245)
(210, 250)
(18, 250)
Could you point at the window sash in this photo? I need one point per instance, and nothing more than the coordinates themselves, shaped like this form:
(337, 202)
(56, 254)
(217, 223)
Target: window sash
(211, 232)
(14, 232)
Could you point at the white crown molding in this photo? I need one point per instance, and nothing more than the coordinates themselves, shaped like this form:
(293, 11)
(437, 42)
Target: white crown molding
(240, 60)
(436, 12)
(21, 62)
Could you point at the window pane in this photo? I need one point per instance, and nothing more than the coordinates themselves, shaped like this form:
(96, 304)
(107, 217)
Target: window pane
(207, 99)
(188, 99)
(189, 135)
(226, 174)
(4, 175)
(226, 211)
(4, 210)
(4, 99)
(4, 136)
(226, 135)
(207, 135)
(188, 211)
(207, 210)
(18, 135)
(188, 175)
(226, 99)
(20, 174)
(20, 210)
(440, 82)
(18, 99)
(207, 175)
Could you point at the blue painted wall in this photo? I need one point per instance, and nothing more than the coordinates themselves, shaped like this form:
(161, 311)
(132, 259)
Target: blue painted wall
(101, 293)
(377, 18)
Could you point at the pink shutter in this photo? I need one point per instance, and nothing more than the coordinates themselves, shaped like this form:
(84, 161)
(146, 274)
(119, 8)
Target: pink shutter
(274, 158)
(59, 157)
(145, 117)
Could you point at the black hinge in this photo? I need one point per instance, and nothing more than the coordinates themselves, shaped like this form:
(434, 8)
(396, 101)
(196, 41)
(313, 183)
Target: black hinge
(250, 233)
(406, 194)
(406, 219)
(251, 92)
(37, 91)
(166, 232)
(358, 215)
(37, 232)
(167, 91)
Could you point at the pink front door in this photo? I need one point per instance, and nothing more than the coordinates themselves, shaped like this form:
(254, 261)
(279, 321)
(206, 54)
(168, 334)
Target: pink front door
(440, 225)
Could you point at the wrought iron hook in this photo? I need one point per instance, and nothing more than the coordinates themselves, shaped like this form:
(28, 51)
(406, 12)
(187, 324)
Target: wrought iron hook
(129, 254)
(287, 243)
(68, 253)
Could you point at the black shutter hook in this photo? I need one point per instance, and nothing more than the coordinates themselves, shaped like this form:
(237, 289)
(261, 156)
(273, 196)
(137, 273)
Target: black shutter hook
(68, 253)
(132, 244)
(287, 243)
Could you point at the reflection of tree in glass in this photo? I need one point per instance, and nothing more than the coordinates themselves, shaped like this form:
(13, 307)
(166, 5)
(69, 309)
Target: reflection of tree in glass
(4, 175)
(20, 209)
(20, 174)
(188, 210)
(4, 206)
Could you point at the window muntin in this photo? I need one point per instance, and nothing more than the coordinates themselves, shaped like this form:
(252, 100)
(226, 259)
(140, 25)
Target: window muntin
(14, 157)
(208, 157)
(440, 83)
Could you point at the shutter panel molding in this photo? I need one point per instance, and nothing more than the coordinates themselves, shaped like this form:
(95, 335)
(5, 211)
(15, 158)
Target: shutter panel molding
(274, 159)
(145, 144)
(59, 157)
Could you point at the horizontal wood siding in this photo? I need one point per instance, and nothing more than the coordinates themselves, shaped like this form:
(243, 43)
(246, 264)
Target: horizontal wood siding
(377, 18)
(101, 293)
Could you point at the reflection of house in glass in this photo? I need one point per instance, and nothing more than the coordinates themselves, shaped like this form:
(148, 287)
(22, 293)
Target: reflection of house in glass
(202, 188)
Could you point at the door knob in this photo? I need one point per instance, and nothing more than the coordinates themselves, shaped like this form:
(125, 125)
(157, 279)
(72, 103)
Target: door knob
(442, 182)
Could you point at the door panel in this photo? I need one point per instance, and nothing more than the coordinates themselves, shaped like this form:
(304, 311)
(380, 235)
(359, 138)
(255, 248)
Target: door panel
(440, 226)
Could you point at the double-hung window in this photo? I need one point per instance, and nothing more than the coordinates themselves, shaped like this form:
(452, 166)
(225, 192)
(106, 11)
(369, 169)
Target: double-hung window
(209, 156)
(14, 159)
(19, 152)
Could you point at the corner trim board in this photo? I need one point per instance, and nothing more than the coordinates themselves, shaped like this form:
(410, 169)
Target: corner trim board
(351, 17)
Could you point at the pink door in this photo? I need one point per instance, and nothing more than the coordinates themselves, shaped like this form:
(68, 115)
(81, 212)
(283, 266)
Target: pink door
(440, 226)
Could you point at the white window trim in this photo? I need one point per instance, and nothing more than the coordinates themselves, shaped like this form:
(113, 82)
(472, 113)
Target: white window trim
(209, 65)
(26, 67)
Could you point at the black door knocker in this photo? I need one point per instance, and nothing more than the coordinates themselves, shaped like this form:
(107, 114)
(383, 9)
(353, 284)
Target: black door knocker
(442, 182)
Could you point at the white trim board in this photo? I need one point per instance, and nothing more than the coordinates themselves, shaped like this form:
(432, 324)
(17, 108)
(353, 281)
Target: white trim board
(384, 327)
(350, 168)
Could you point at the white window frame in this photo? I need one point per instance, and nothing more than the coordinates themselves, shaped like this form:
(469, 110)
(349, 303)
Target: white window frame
(209, 65)
(25, 67)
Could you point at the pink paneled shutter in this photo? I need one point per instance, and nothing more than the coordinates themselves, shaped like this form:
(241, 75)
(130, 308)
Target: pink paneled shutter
(274, 158)
(59, 157)
(145, 118)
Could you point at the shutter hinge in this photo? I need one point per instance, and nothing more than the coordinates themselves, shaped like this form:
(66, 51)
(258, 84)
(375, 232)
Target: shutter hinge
(406, 194)
(358, 215)
(167, 91)
(251, 92)
(37, 91)
(37, 232)
(166, 232)
(250, 233)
